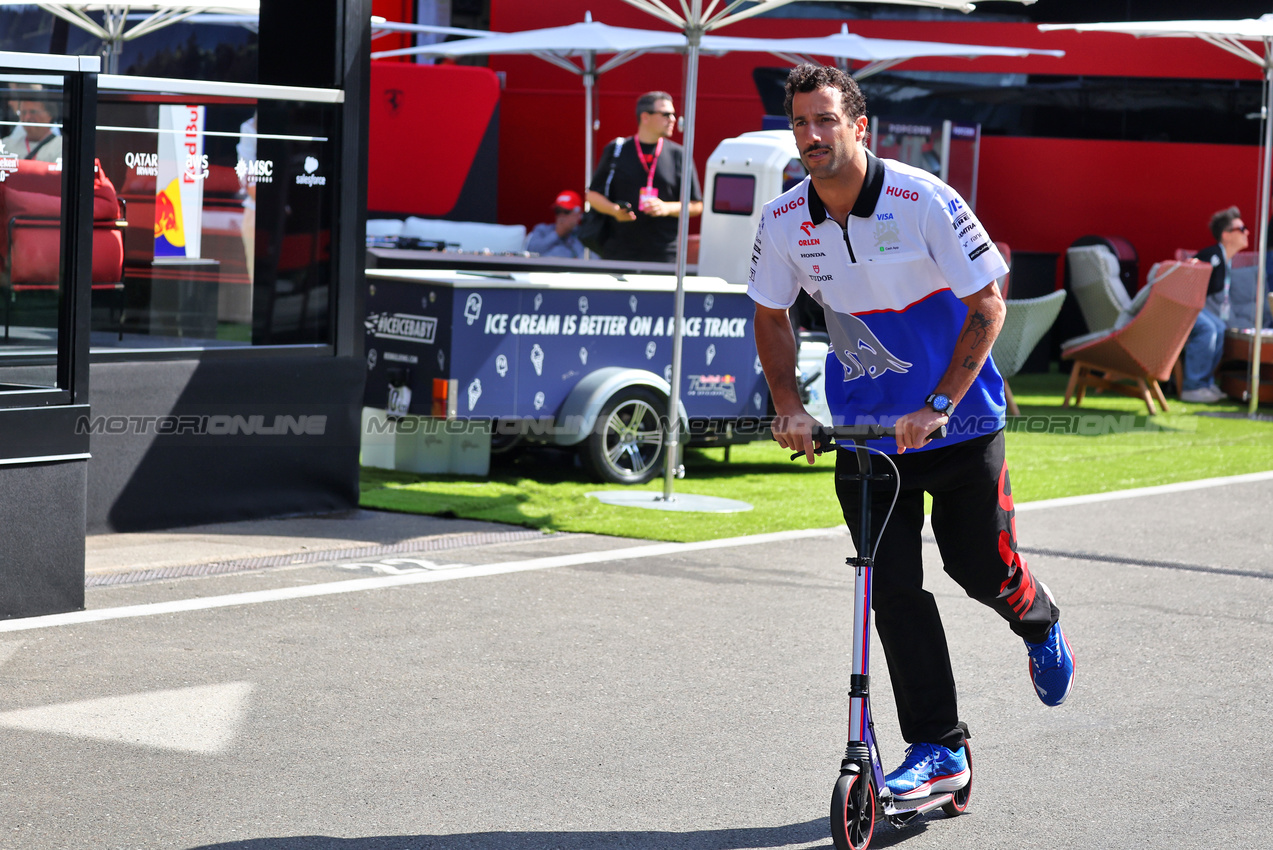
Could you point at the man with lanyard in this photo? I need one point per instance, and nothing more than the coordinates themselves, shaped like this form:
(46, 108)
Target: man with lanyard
(645, 186)
(906, 276)
(1205, 346)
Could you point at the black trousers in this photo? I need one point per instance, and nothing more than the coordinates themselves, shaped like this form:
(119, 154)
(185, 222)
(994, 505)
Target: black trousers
(975, 525)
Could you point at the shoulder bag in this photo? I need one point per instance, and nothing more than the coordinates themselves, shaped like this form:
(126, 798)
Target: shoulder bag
(594, 230)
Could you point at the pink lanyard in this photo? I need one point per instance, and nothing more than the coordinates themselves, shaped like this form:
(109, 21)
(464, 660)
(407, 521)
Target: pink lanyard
(658, 149)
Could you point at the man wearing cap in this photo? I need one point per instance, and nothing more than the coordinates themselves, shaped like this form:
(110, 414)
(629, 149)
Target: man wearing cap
(558, 238)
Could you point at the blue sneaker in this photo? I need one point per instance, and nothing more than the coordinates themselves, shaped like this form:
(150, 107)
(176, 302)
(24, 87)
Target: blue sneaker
(1052, 666)
(929, 769)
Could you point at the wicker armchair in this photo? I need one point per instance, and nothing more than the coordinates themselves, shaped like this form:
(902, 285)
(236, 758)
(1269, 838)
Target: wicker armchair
(1027, 320)
(1096, 285)
(1139, 351)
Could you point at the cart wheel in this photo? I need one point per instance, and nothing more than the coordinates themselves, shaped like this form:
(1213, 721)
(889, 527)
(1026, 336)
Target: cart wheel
(852, 812)
(959, 800)
(626, 446)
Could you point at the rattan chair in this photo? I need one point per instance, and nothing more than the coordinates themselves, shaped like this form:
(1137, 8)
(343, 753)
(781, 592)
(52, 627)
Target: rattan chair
(1140, 350)
(1025, 323)
(1096, 285)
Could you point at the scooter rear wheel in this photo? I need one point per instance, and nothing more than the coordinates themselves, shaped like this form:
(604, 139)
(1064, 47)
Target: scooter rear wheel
(852, 812)
(959, 800)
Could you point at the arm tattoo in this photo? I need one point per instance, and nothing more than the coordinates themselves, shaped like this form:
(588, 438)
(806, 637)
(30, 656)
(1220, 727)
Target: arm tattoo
(977, 326)
(970, 363)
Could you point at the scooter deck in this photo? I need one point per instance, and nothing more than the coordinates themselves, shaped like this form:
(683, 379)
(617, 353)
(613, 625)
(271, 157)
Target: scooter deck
(904, 811)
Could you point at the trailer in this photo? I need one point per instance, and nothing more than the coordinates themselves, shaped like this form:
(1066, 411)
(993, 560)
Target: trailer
(463, 362)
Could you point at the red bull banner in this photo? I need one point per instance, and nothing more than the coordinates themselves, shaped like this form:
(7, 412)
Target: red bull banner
(181, 168)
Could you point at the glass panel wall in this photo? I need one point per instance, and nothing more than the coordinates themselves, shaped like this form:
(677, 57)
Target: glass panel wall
(228, 202)
(31, 192)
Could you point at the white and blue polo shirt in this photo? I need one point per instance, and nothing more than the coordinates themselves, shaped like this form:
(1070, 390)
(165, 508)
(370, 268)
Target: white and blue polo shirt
(890, 285)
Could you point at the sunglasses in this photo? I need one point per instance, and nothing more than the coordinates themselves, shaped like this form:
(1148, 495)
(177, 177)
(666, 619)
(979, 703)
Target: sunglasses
(664, 114)
(1241, 229)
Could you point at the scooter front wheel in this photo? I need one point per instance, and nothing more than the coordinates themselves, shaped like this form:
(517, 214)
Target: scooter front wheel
(852, 812)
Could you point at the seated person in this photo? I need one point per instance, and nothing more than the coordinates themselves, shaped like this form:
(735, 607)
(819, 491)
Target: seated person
(34, 138)
(558, 238)
(1205, 345)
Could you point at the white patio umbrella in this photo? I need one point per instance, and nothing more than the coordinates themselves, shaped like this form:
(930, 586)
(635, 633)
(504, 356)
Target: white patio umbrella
(380, 26)
(696, 19)
(114, 30)
(879, 54)
(560, 45)
(1229, 37)
(590, 39)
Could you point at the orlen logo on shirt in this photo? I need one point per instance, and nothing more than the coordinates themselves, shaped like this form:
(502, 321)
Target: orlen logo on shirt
(788, 207)
(807, 228)
(904, 194)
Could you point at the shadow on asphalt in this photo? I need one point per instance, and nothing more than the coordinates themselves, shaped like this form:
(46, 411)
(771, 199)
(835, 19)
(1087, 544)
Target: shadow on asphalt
(711, 839)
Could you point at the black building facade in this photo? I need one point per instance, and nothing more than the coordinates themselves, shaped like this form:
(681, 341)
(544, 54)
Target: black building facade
(191, 351)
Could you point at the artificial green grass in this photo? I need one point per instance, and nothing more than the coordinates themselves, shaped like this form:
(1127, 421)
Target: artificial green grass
(1111, 444)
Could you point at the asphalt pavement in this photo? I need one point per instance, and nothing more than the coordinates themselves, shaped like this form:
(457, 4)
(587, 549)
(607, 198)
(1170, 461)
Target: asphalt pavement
(370, 681)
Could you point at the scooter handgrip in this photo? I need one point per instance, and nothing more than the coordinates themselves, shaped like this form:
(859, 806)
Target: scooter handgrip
(824, 437)
(822, 440)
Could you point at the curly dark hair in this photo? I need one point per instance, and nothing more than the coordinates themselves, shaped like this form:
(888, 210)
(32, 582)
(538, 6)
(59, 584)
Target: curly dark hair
(1220, 221)
(807, 78)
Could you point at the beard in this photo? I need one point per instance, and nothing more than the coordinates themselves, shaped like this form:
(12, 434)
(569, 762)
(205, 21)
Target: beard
(828, 166)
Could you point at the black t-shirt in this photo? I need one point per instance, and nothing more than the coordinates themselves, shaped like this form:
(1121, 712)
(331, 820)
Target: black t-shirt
(649, 238)
(1214, 254)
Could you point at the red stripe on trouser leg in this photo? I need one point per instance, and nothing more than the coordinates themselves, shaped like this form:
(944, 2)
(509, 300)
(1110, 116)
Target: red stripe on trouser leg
(1005, 492)
(1021, 598)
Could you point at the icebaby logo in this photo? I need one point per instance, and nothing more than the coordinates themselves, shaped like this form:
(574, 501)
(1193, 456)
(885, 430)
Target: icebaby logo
(402, 326)
(309, 178)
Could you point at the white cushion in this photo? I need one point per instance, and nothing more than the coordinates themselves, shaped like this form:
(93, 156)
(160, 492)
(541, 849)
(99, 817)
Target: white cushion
(474, 236)
(384, 227)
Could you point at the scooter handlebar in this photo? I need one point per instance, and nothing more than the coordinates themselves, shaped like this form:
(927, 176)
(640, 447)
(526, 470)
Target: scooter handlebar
(824, 436)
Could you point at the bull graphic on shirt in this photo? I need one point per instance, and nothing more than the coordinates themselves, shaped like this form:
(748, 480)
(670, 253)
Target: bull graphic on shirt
(859, 349)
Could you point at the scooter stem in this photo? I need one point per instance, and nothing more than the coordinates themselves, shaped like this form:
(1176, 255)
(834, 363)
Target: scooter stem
(858, 680)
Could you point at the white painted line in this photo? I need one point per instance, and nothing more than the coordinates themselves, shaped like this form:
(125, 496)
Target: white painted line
(356, 585)
(629, 553)
(1161, 489)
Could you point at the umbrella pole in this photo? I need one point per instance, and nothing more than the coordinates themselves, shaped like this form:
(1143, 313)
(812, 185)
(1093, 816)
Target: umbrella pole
(1261, 274)
(694, 35)
(589, 80)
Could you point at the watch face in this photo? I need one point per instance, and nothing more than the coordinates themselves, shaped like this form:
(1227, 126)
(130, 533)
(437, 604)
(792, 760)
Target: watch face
(940, 403)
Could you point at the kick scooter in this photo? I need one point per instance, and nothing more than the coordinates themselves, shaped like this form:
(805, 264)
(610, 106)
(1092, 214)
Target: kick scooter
(860, 793)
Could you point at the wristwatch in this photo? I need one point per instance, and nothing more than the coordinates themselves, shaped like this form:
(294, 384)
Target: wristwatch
(940, 402)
